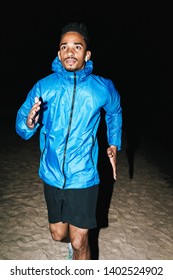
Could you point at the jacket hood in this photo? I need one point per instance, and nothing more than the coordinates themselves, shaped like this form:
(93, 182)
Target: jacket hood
(58, 68)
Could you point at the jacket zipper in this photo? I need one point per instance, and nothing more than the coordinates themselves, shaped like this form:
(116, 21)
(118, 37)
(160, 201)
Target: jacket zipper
(69, 128)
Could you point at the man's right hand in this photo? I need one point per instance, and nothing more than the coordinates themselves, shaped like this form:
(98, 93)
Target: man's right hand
(33, 116)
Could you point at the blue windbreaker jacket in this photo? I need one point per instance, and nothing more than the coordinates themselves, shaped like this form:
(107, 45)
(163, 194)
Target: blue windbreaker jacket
(69, 119)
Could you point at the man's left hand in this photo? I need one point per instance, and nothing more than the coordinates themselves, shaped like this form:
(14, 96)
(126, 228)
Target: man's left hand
(112, 154)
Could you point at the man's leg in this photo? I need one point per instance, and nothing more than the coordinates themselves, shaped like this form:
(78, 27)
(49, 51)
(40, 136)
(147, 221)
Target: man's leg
(59, 231)
(78, 237)
(79, 241)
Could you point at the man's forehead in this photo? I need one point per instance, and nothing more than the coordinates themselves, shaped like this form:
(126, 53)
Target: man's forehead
(72, 37)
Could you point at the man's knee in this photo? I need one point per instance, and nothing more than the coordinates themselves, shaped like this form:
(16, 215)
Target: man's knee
(58, 231)
(79, 242)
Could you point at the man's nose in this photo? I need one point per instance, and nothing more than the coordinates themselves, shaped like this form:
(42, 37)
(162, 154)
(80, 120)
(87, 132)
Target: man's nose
(70, 51)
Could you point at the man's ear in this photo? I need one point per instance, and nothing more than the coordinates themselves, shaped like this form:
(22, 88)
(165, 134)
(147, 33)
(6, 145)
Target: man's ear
(59, 55)
(88, 56)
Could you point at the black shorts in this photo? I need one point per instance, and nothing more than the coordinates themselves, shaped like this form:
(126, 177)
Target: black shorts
(73, 206)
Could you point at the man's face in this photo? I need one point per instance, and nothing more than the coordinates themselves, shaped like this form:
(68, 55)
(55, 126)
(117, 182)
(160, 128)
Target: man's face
(72, 52)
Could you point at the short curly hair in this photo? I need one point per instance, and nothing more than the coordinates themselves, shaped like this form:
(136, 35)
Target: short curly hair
(77, 27)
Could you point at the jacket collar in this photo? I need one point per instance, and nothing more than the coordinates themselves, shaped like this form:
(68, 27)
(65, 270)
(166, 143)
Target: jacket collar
(80, 75)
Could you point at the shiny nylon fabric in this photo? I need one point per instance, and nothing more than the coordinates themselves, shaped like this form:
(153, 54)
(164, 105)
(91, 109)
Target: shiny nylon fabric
(70, 117)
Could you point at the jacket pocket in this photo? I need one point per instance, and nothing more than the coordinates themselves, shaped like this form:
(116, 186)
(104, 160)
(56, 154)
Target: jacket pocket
(42, 144)
(92, 146)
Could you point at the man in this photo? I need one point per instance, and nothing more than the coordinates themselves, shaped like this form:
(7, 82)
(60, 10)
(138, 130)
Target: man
(66, 107)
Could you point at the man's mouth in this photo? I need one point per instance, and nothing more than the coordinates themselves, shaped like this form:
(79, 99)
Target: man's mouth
(70, 61)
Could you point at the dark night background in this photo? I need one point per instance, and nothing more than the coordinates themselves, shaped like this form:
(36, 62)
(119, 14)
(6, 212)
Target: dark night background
(131, 44)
